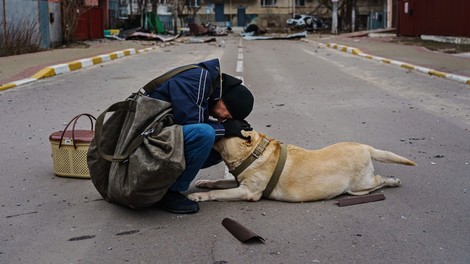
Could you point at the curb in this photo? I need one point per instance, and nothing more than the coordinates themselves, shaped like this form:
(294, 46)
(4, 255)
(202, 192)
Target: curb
(73, 66)
(431, 72)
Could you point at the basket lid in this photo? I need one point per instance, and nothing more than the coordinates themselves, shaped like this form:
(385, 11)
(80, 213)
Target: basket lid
(80, 135)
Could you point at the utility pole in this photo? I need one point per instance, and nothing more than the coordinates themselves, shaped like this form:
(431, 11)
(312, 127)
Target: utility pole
(293, 8)
(334, 18)
(353, 16)
(5, 34)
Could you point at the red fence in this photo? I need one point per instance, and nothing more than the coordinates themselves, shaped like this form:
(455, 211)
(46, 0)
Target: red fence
(434, 17)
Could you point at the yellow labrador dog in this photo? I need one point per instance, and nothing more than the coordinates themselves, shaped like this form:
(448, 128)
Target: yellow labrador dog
(306, 175)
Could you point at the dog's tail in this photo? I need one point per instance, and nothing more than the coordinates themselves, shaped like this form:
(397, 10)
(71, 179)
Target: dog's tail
(389, 157)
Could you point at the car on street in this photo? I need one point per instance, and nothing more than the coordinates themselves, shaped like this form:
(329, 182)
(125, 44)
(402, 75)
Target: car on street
(307, 22)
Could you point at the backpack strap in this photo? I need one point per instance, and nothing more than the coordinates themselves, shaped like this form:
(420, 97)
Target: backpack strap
(149, 87)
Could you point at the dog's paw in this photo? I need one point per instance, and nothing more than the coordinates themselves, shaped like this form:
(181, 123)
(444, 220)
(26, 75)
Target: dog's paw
(393, 181)
(199, 197)
(397, 182)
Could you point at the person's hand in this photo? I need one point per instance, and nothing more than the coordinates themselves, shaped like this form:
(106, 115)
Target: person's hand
(234, 127)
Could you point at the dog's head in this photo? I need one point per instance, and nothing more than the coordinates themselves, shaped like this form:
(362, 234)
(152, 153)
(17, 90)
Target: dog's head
(235, 149)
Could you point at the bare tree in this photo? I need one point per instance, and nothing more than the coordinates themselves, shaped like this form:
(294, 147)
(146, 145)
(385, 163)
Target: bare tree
(186, 9)
(142, 6)
(344, 11)
(71, 11)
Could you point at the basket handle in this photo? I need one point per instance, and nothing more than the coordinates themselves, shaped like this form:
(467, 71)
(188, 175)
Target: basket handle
(74, 121)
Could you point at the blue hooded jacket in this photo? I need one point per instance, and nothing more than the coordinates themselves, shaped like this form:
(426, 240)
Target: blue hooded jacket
(190, 94)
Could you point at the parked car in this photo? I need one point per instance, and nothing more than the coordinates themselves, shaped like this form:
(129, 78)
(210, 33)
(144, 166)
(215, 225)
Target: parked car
(307, 22)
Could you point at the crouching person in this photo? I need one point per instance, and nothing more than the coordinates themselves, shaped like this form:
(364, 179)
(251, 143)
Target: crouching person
(196, 95)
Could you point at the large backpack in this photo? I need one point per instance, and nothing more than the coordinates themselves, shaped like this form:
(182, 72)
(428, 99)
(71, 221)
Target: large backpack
(138, 152)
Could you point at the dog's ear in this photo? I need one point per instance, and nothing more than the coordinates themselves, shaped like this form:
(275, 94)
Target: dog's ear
(248, 136)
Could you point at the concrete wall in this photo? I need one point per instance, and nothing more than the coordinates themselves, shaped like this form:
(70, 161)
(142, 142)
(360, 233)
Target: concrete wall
(22, 12)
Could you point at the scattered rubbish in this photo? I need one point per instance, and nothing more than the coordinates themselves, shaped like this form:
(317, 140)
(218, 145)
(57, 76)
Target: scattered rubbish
(292, 36)
(139, 34)
(240, 232)
(81, 238)
(200, 40)
(196, 29)
(15, 215)
(112, 34)
(439, 156)
(433, 163)
(127, 232)
(254, 30)
(207, 29)
(222, 44)
(360, 199)
(151, 36)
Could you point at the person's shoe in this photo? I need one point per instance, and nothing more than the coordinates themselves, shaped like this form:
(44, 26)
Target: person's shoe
(175, 202)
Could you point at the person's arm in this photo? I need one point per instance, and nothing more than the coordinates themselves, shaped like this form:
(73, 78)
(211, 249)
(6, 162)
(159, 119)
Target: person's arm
(218, 128)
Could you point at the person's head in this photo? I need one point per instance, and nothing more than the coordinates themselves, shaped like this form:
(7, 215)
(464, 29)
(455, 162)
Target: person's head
(236, 102)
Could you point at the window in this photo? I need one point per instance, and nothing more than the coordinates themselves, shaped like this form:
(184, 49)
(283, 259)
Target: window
(268, 2)
(299, 2)
(193, 3)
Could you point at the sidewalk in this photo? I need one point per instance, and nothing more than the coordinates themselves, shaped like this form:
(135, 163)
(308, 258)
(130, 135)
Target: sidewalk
(15, 70)
(20, 69)
(451, 66)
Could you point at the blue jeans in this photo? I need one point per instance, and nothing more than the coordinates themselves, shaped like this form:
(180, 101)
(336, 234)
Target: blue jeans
(198, 153)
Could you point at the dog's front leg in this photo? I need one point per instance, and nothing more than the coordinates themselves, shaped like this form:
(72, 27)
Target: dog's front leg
(217, 184)
(241, 193)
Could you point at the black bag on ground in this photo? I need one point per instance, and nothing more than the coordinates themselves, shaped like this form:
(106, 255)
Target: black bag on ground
(138, 153)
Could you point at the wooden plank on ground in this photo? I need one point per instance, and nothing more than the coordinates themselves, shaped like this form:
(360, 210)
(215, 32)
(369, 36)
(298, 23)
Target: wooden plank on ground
(360, 199)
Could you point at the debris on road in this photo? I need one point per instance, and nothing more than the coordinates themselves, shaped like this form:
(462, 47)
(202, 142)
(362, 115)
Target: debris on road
(360, 199)
(207, 29)
(291, 36)
(240, 232)
(200, 40)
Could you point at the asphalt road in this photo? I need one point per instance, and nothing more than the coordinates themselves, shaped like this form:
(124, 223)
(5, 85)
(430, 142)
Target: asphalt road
(305, 96)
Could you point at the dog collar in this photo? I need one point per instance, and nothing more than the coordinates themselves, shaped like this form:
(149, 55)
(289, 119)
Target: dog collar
(281, 161)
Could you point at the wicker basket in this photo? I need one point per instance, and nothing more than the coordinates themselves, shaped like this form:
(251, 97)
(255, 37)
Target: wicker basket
(70, 148)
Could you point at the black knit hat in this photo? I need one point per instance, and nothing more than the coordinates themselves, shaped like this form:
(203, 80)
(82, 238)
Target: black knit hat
(237, 98)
